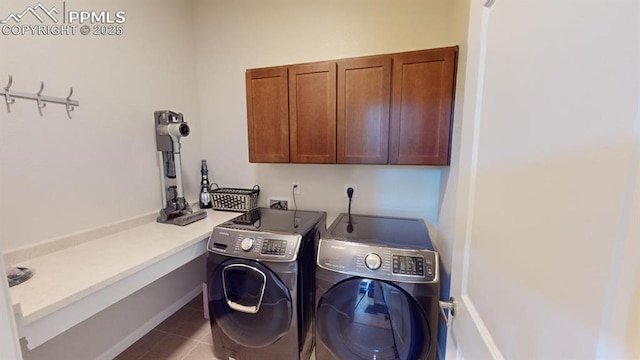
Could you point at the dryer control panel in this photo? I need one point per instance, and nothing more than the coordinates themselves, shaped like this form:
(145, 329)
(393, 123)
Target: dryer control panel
(255, 245)
(378, 262)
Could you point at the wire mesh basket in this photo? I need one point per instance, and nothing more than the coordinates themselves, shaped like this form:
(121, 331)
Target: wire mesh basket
(234, 199)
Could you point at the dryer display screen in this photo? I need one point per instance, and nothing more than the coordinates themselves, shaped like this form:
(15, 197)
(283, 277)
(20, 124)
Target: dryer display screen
(408, 265)
(274, 247)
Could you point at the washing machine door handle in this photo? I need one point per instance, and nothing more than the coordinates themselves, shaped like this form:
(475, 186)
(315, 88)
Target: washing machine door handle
(242, 308)
(249, 309)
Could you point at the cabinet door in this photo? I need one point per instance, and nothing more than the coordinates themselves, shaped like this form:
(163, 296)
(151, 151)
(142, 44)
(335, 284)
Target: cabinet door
(312, 111)
(421, 106)
(364, 91)
(267, 114)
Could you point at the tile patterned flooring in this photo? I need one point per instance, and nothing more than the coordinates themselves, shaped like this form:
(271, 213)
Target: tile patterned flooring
(185, 335)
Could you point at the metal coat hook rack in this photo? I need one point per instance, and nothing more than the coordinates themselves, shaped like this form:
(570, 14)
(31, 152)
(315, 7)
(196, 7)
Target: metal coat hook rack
(10, 97)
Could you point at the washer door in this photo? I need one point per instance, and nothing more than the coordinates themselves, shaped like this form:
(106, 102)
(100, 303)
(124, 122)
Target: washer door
(250, 303)
(371, 319)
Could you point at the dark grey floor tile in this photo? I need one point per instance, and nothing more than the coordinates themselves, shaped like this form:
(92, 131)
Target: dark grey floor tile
(204, 334)
(185, 322)
(172, 347)
(142, 346)
(196, 303)
(201, 352)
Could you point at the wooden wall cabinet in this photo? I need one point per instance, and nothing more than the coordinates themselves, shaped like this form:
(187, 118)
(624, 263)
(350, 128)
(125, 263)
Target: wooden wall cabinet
(363, 110)
(386, 109)
(422, 106)
(268, 115)
(312, 113)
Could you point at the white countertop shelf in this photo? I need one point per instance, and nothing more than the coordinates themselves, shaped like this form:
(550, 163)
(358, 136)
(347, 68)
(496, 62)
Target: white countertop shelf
(75, 283)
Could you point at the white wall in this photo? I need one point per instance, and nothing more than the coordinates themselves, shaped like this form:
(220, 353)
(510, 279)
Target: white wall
(60, 176)
(451, 189)
(450, 175)
(99, 167)
(232, 36)
(632, 331)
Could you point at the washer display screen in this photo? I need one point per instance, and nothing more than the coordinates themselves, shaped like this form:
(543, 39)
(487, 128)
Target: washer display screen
(408, 265)
(274, 247)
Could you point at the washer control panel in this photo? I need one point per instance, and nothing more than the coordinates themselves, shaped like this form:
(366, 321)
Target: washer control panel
(408, 265)
(254, 244)
(378, 262)
(274, 247)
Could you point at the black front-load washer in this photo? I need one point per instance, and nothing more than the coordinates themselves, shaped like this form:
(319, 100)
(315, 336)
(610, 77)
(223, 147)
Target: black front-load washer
(377, 290)
(261, 284)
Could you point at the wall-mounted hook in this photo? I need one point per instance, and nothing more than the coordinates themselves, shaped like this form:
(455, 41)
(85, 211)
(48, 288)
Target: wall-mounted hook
(7, 96)
(9, 83)
(41, 104)
(489, 3)
(41, 99)
(69, 106)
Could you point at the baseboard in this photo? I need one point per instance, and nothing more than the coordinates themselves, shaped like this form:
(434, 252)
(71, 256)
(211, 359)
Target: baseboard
(149, 325)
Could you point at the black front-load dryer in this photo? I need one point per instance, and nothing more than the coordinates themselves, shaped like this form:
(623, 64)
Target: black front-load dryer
(261, 284)
(377, 290)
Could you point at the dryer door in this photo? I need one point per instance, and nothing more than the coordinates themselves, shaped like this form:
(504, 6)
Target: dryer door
(371, 319)
(250, 303)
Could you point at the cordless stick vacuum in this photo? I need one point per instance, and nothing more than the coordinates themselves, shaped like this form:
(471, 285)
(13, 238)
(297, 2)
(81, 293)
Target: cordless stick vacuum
(170, 127)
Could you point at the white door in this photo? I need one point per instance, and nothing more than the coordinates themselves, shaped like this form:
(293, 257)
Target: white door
(546, 183)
